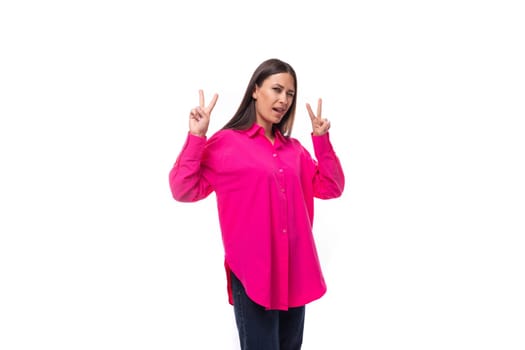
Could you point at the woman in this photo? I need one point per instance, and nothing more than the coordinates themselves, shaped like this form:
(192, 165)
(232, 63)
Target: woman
(265, 182)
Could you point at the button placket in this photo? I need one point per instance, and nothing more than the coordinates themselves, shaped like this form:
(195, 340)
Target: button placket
(282, 189)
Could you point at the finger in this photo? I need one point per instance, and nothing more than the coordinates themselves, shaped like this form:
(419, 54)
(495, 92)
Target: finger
(193, 114)
(319, 107)
(327, 125)
(201, 98)
(197, 113)
(310, 112)
(212, 103)
(202, 113)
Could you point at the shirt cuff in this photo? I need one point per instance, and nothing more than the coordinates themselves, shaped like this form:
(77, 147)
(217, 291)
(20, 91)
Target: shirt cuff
(322, 144)
(194, 146)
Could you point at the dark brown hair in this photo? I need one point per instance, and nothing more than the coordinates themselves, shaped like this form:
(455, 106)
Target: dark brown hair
(245, 116)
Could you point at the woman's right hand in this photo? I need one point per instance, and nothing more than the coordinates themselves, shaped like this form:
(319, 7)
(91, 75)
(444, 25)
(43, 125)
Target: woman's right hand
(200, 116)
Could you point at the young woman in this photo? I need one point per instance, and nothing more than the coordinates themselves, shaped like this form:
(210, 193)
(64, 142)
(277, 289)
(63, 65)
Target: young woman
(265, 182)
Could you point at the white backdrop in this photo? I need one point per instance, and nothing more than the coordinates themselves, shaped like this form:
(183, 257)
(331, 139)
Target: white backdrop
(423, 251)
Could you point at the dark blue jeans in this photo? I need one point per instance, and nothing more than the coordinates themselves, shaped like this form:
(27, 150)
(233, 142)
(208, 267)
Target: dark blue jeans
(261, 329)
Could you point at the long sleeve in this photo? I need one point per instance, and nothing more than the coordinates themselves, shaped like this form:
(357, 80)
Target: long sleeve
(329, 179)
(186, 178)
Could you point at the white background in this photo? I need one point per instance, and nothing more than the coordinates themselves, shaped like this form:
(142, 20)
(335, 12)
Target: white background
(423, 251)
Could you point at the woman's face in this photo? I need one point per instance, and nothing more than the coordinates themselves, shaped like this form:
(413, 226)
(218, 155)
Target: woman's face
(273, 99)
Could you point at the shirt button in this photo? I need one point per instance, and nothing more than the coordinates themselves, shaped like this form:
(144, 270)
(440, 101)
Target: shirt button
(282, 189)
(280, 170)
(274, 155)
(284, 230)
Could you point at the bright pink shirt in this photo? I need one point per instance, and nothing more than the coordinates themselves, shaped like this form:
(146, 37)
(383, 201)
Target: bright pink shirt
(265, 198)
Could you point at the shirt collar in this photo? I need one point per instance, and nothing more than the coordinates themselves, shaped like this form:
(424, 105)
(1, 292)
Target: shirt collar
(254, 130)
(257, 129)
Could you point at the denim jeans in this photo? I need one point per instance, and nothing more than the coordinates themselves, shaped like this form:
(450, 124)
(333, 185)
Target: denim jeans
(261, 329)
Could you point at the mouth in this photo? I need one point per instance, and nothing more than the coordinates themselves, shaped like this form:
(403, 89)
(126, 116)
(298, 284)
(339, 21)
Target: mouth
(280, 110)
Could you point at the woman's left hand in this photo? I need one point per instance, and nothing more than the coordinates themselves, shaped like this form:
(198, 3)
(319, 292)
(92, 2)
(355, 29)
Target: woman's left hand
(320, 126)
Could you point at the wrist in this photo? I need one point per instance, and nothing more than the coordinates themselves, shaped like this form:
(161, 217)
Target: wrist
(198, 134)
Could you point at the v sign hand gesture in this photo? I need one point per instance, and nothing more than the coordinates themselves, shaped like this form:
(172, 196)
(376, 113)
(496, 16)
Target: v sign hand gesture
(200, 116)
(320, 125)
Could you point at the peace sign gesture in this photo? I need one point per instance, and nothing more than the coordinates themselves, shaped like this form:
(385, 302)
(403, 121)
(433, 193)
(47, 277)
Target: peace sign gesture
(320, 125)
(200, 116)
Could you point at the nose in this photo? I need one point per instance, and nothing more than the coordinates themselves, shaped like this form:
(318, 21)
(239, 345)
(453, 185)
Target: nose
(283, 97)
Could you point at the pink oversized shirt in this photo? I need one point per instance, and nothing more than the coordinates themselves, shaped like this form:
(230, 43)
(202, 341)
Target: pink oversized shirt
(265, 198)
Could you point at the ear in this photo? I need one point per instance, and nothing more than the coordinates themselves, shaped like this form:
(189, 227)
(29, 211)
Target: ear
(255, 92)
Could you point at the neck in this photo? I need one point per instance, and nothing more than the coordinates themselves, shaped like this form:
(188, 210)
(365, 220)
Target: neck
(268, 131)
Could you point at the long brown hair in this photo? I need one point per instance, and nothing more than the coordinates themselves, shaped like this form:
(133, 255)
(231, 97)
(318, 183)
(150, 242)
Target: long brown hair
(245, 116)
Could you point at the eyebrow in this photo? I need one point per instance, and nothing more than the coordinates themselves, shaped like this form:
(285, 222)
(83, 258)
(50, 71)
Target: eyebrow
(282, 87)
